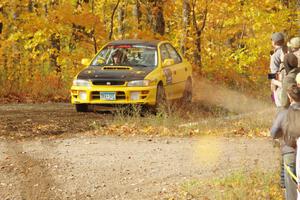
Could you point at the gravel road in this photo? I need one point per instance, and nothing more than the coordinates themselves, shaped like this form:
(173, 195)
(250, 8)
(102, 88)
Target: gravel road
(83, 166)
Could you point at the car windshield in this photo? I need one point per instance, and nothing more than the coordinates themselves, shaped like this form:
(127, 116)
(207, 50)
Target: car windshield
(127, 55)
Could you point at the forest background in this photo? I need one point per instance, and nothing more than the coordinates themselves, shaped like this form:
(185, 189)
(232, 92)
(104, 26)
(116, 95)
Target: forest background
(228, 42)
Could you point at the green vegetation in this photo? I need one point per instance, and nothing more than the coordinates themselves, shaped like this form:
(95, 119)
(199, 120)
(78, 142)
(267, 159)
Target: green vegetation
(238, 185)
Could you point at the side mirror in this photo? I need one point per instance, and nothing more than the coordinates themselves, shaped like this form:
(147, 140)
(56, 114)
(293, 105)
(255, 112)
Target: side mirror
(85, 61)
(168, 62)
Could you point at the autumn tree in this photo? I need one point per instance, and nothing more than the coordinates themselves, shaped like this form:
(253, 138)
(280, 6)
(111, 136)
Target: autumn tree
(43, 41)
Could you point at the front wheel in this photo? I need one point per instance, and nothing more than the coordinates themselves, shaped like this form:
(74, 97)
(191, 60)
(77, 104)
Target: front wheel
(82, 108)
(160, 95)
(161, 100)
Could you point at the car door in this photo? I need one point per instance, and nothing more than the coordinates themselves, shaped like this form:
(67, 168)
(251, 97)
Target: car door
(168, 73)
(179, 71)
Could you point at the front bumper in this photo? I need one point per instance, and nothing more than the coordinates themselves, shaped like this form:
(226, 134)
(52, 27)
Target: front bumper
(124, 95)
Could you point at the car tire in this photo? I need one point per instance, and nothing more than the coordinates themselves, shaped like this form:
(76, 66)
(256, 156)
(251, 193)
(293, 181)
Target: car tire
(161, 100)
(82, 108)
(188, 92)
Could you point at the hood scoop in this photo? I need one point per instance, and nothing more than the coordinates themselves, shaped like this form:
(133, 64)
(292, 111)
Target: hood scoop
(116, 68)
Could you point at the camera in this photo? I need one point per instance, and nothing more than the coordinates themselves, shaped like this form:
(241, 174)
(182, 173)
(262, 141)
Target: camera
(272, 76)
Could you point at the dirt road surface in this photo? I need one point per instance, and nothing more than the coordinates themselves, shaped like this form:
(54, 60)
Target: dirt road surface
(82, 166)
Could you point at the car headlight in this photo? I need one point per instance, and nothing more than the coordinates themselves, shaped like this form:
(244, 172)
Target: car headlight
(82, 95)
(138, 83)
(79, 82)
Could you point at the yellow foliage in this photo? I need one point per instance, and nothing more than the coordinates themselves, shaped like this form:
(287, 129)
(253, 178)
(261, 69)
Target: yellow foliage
(46, 38)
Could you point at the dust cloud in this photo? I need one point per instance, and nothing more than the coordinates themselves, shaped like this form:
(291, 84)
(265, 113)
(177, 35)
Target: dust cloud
(238, 106)
(207, 149)
(234, 101)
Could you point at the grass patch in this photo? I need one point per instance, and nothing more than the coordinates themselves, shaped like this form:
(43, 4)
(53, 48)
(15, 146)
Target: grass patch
(238, 185)
(197, 119)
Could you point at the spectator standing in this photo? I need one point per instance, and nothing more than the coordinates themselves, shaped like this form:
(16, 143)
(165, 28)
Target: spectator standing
(276, 66)
(294, 44)
(279, 129)
(292, 125)
(290, 63)
(277, 43)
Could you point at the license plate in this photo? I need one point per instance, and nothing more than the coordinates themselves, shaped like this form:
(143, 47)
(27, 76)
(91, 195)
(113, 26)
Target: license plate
(108, 96)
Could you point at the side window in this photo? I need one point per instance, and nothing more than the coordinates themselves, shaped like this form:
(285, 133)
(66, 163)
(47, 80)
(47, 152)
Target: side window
(173, 53)
(102, 54)
(164, 52)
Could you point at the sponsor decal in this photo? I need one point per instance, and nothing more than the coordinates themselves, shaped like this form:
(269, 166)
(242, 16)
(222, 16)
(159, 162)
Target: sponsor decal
(168, 75)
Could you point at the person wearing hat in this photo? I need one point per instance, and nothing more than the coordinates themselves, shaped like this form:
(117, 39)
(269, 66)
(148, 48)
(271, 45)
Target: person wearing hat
(276, 67)
(277, 43)
(290, 63)
(294, 44)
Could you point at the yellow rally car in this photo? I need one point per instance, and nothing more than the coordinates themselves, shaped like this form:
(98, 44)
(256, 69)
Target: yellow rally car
(133, 72)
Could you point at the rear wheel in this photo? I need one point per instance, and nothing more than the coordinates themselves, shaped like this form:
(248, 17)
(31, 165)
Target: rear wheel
(188, 92)
(81, 107)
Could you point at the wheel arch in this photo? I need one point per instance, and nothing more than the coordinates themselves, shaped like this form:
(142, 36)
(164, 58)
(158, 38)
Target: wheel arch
(160, 83)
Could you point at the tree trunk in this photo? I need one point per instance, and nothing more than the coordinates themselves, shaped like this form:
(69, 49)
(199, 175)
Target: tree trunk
(92, 34)
(30, 6)
(1, 23)
(198, 33)
(112, 20)
(186, 21)
(121, 16)
(46, 9)
(137, 14)
(95, 43)
(149, 18)
(104, 7)
(158, 19)
(55, 44)
(93, 6)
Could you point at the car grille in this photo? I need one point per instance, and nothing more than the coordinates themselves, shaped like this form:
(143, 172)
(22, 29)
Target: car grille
(119, 95)
(116, 68)
(108, 82)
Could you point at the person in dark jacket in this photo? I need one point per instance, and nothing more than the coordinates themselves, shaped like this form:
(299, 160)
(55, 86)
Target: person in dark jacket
(290, 62)
(279, 130)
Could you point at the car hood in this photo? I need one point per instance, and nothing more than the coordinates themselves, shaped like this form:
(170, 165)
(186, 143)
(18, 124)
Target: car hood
(110, 73)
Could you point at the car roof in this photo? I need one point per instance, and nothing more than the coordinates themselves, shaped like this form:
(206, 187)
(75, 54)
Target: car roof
(136, 42)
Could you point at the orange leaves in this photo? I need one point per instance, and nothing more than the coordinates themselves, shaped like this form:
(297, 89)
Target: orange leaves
(234, 44)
